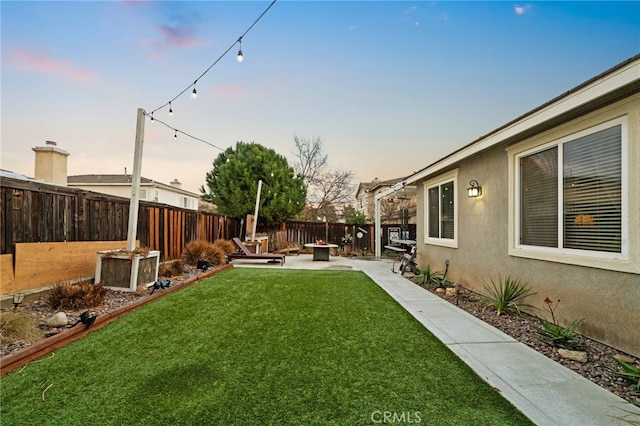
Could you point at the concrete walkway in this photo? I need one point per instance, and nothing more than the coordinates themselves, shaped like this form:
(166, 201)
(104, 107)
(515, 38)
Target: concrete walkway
(545, 391)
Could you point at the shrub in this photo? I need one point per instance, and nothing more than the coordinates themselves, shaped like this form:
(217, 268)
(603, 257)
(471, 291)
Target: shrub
(504, 295)
(226, 246)
(172, 269)
(15, 327)
(200, 249)
(556, 335)
(76, 296)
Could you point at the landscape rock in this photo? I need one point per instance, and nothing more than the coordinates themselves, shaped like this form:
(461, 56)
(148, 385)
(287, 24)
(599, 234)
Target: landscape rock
(440, 290)
(59, 319)
(579, 356)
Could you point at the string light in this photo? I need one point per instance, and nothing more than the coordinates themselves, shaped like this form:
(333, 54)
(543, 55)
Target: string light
(240, 56)
(194, 92)
(176, 131)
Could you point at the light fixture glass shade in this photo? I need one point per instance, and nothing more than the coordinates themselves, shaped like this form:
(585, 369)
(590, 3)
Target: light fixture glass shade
(240, 56)
(474, 189)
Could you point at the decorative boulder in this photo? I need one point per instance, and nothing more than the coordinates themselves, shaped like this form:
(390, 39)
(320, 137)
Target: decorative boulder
(579, 356)
(59, 319)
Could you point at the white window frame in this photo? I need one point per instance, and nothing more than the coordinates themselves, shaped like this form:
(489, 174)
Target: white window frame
(440, 180)
(615, 261)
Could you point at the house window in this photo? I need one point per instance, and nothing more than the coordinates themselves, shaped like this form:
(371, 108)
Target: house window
(155, 195)
(362, 202)
(142, 193)
(441, 215)
(571, 195)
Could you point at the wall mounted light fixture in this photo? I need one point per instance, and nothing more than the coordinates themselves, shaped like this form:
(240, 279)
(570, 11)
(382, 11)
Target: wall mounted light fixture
(474, 189)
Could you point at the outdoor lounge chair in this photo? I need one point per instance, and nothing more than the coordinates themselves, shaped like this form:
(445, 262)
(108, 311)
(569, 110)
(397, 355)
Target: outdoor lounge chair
(244, 253)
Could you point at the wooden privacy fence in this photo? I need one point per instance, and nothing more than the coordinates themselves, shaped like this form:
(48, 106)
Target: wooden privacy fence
(40, 212)
(41, 224)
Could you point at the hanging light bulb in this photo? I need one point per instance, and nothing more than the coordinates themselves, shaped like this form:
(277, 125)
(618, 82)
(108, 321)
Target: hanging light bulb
(152, 116)
(240, 55)
(170, 109)
(194, 92)
(175, 135)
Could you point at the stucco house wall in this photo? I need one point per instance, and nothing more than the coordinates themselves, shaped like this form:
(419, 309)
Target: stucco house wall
(603, 292)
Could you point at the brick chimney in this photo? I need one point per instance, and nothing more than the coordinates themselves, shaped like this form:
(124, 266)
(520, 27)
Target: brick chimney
(51, 164)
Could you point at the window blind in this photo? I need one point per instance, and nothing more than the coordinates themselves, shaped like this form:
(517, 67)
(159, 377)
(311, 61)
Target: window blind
(539, 198)
(447, 211)
(592, 190)
(434, 208)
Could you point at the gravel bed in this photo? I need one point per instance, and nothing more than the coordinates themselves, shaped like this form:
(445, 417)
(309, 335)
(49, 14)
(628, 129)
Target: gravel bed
(524, 328)
(40, 311)
(599, 367)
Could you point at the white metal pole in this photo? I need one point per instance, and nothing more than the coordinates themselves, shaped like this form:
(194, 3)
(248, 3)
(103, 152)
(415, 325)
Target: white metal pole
(377, 229)
(255, 214)
(135, 181)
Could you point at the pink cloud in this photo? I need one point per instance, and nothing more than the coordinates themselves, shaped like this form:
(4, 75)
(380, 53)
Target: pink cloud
(178, 36)
(41, 62)
(229, 91)
(521, 10)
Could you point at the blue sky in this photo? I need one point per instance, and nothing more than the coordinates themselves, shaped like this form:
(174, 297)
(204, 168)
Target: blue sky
(389, 87)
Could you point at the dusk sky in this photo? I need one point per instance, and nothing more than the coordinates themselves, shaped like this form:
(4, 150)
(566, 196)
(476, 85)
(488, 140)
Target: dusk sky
(389, 87)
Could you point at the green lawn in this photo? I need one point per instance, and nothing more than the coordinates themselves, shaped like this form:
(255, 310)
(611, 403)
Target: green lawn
(257, 346)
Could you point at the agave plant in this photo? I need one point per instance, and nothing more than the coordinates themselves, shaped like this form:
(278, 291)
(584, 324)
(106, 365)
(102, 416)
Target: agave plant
(629, 372)
(556, 335)
(427, 277)
(506, 293)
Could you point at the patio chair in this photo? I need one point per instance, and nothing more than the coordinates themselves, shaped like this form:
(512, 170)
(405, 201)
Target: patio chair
(281, 244)
(244, 253)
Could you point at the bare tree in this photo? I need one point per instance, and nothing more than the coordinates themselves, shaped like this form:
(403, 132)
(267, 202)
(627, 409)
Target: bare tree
(328, 190)
(310, 161)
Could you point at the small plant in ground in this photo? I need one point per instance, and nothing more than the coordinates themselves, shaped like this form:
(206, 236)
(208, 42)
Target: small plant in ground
(631, 373)
(226, 246)
(171, 269)
(427, 277)
(556, 335)
(15, 327)
(505, 295)
(203, 250)
(76, 296)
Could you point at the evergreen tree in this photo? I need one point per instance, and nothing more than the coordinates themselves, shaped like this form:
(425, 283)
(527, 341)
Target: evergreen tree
(232, 184)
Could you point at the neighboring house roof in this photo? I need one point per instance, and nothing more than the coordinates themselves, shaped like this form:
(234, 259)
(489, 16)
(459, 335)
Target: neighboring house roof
(119, 180)
(105, 179)
(375, 184)
(612, 85)
(17, 176)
